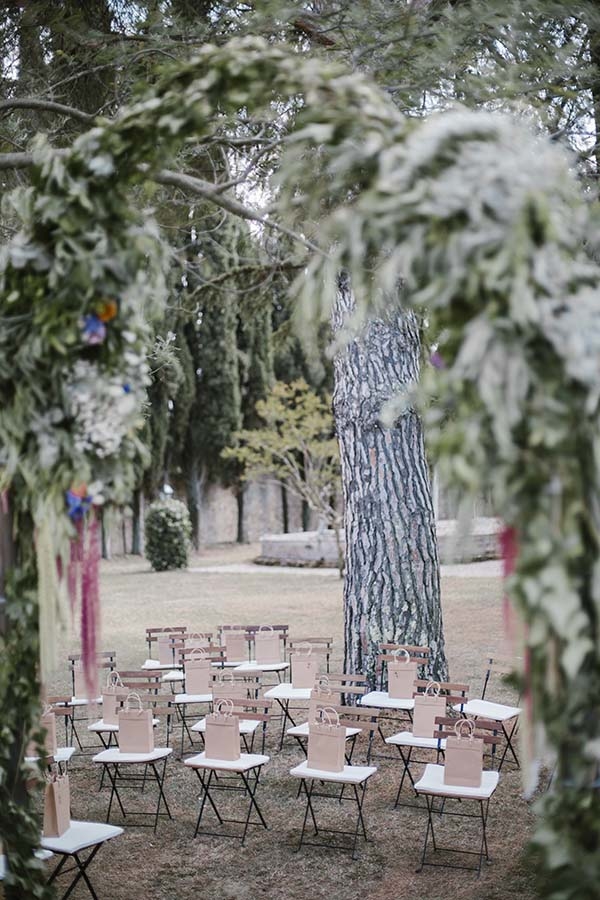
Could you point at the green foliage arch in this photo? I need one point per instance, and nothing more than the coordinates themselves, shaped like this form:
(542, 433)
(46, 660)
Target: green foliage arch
(486, 226)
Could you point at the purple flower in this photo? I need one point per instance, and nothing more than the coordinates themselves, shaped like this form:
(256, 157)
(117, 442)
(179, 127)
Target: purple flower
(437, 360)
(93, 329)
(77, 506)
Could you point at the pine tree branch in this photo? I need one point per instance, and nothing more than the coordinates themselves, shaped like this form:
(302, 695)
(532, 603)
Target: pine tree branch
(47, 106)
(192, 185)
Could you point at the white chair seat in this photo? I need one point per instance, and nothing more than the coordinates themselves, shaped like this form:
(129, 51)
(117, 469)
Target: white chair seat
(408, 739)
(246, 762)
(102, 726)
(498, 712)
(247, 726)
(381, 700)
(302, 731)
(192, 698)
(114, 755)
(253, 666)
(349, 774)
(172, 676)
(287, 692)
(80, 835)
(155, 665)
(63, 754)
(80, 701)
(432, 782)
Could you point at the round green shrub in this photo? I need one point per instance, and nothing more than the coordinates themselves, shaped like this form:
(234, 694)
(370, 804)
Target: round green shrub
(168, 534)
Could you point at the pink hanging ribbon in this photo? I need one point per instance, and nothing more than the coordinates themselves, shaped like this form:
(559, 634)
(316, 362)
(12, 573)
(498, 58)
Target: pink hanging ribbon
(509, 548)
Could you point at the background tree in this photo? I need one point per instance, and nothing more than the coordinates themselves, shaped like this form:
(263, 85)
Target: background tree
(293, 443)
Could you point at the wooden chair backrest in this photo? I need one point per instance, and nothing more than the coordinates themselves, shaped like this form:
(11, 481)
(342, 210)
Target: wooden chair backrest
(60, 705)
(212, 652)
(343, 683)
(487, 731)
(453, 692)
(362, 717)
(153, 633)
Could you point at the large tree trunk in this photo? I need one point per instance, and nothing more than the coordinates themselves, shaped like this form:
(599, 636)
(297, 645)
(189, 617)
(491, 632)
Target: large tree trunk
(392, 581)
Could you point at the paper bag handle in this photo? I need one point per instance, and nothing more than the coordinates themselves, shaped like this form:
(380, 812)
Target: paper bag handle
(328, 716)
(265, 628)
(135, 696)
(227, 703)
(47, 710)
(432, 689)
(401, 651)
(306, 647)
(458, 728)
(200, 650)
(113, 679)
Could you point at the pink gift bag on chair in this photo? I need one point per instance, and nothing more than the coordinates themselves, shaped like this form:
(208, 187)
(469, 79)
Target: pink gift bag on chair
(402, 672)
(165, 647)
(321, 695)
(463, 763)
(136, 733)
(305, 666)
(225, 687)
(326, 741)
(197, 673)
(222, 735)
(111, 696)
(236, 645)
(267, 646)
(57, 806)
(48, 721)
(428, 707)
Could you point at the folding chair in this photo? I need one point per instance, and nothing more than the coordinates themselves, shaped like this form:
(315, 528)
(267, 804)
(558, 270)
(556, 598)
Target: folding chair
(250, 665)
(344, 689)
(216, 775)
(312, 785)
(152, 636)
(406, 742)
(185, 700)
(79, 837)
(62, 756)
(321, 645)
(249, 724)
(506, 716)
(117, 766)
(380, 699)
(179, 644)
(106, 661)
(431, 785)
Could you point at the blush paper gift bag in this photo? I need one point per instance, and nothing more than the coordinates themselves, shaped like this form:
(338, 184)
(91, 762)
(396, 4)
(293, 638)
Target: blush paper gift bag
(136, 734)
(236, 645)
(267, 645)
(57, 806)
(197, 673)
(402, 672)
(304, 666)
(428, 706)
(321, 695)
(463, 764)
(111, 696)
(326, 741)
(165, 647)
(48, 722)
(222, 735)
(226, 687)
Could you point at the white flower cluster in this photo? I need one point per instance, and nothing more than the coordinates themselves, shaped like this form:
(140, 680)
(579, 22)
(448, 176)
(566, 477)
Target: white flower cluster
(103, 406)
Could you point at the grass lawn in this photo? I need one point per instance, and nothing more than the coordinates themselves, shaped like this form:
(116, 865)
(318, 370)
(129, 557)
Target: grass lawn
(171, 864)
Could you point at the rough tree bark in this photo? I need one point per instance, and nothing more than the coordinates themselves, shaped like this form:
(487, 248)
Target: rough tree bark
(392, 583)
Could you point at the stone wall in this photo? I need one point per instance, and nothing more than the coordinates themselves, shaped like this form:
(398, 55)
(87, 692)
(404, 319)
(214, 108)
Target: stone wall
(263, 514)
